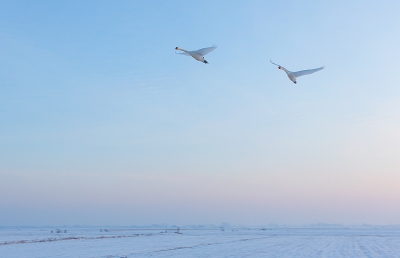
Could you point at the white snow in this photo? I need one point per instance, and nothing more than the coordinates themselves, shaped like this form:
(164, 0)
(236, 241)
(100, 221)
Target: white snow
(252, 242)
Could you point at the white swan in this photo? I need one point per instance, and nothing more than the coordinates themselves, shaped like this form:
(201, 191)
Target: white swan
(293, 75)
(198, 54)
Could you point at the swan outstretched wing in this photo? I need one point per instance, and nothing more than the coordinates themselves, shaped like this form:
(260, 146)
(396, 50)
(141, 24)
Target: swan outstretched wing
(183, 53)
(305, 72)
(205, 51)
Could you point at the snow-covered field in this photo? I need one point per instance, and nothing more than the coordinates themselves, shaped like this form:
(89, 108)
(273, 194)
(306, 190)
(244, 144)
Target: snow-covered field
(254, 242)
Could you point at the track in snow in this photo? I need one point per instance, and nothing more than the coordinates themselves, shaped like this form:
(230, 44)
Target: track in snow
(129, 243)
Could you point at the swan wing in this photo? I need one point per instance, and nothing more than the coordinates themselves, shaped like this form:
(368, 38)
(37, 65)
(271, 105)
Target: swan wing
(205, 51)
(183, 53)
(305, 72)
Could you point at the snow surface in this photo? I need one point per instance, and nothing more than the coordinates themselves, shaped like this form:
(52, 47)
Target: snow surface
(230, 242)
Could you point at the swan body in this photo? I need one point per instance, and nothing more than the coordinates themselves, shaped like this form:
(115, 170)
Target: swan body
(197, 54)
(293, 75)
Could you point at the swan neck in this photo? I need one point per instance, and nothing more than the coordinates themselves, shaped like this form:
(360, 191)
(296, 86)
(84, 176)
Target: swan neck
(181, 49)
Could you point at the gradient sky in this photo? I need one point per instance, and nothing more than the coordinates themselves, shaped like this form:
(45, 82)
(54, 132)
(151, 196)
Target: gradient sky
(101, 123)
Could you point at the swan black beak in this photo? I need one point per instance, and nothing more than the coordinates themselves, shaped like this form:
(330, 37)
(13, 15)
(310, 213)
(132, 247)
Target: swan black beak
(205, 62)
(295, 82)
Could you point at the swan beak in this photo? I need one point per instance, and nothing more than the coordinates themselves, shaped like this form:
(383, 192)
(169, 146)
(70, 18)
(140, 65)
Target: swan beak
(176, 48)
(295, 82)
(205, 62)
(279, 67)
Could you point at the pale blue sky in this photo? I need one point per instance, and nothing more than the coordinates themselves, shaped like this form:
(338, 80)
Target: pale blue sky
(102, 123)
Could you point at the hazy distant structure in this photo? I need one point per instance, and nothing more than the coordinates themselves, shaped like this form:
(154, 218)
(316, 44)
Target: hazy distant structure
(58, 231)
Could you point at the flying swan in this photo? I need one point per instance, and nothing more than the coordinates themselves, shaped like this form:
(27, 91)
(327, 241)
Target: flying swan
(293, 75)
(198, 54)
